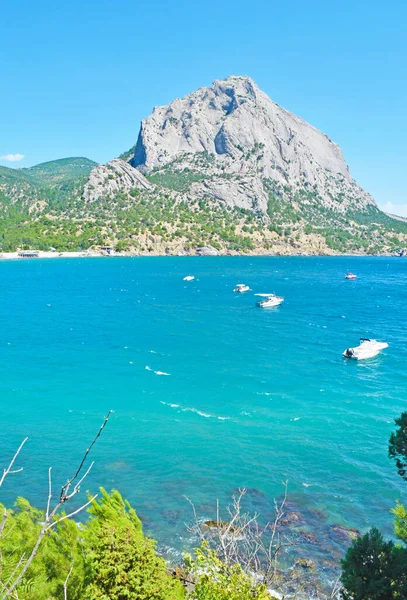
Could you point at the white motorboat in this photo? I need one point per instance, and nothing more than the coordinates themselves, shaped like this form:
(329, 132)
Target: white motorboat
(366, 349)
(241, 287)
(189, 278)
(269, 301)
(350, 275)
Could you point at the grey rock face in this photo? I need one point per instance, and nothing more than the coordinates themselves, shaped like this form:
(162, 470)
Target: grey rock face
(113, 177)
(207, 251)
(245, 192)
(247, 135)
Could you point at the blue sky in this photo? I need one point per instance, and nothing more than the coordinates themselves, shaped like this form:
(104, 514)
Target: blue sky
(78, 76)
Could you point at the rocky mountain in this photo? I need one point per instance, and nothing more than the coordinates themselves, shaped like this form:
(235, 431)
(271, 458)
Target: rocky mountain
(233, 129)
(116, 176)
(222, 170)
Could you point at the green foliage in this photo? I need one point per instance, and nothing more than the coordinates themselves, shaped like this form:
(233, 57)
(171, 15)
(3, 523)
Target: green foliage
(121, 563)
(374, 569)
(111, 559)
(400, 522)
(18, 231)
(217, 581)
(176, 180)
(374, 216)
(126, 156)
(398, 445)
(62, 170)
(43, 206)
(58, 552)
(24, 193)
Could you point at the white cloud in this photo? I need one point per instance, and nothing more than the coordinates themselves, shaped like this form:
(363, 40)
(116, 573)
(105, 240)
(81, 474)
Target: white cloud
(12, 157)
(395, 209)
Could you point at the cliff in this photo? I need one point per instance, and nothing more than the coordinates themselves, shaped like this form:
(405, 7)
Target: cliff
(233, 129)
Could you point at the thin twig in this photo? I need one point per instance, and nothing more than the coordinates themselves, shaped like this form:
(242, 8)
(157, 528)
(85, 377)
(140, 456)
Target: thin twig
(49, 492)
(20, 562)
(66, 487)
(241, 540)
(66, 583)
(8, 471)
(50, 517)
(3, 521)
(69, 515)
(77, 487)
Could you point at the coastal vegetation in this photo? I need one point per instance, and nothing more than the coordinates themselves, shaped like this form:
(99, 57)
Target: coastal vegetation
(376, 569)
(50, 554)
(45, 207)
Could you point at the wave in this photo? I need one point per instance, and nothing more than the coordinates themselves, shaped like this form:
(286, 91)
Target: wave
(195, 410)
(157, 372)
(198, 412)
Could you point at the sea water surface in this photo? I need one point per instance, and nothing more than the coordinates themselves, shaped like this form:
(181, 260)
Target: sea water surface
(209, 392)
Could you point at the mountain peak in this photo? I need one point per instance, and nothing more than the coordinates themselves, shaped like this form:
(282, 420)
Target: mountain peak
(246, 134)
(237, 81)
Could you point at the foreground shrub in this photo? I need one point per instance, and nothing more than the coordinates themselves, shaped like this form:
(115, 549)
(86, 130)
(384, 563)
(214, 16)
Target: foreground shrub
(121, 562)
(374, 569)
(59, 555)
(217, 581)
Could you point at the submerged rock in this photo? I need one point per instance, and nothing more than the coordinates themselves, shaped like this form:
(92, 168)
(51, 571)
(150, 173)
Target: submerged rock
(341, 533)
(307, 537)
(305, 563)
(249, 492)
(218, 525)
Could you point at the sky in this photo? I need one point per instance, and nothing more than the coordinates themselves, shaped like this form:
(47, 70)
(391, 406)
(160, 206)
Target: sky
(77, 77)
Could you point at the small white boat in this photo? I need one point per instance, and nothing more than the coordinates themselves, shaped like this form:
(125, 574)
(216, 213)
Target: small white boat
(189, 278)
(269, 301)
(366, 349)
(241, 287)
(351, 276)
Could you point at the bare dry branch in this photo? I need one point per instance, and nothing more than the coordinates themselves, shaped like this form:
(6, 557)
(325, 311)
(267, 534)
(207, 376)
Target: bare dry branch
(73, 513)
(51, 519)
(336, 588)
(242, 540)
(3, 521)
(66, 583)
(77, 487)
(8, 471)
(49, 492)
(65, 488)
(20, 562)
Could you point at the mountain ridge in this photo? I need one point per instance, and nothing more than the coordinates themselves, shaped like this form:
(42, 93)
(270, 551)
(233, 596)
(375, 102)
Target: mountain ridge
(224, 168)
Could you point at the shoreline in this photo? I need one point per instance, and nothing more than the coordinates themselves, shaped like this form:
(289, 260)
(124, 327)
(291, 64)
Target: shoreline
(97, 254)
(15, 256)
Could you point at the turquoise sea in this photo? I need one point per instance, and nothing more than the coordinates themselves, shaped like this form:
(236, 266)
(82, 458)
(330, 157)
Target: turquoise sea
(210, 393)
